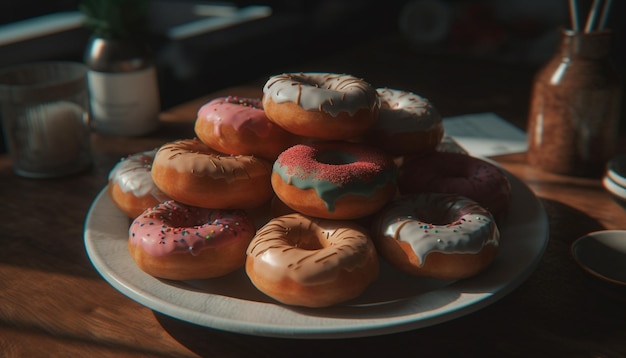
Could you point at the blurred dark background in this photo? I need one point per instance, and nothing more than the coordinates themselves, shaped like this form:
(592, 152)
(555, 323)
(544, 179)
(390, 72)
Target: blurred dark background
(236, 41)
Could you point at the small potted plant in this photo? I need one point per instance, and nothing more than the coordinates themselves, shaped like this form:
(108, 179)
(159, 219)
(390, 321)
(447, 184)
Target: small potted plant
(122, 77)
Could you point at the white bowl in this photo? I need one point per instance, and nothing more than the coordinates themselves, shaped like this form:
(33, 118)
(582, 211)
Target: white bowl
(602, 254)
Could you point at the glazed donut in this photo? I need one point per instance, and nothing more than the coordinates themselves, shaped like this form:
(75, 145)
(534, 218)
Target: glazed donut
(190, 172)
(407, 124)
(443, 236)
(179, 242)
(321, 105)
(239, 126)
(457, 173)
(309, 262)
(131, 187)
(334, 180)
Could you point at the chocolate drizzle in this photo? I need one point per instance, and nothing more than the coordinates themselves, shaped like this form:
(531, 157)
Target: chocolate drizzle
(276, 255)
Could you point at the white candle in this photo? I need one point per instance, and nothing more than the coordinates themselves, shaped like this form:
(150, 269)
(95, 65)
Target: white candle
(56, 133)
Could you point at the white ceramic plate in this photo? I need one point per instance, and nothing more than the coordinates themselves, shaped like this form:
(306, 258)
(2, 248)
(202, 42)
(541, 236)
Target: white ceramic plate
(616, 170)
(395, 302)
(614, 188)
(603, 254)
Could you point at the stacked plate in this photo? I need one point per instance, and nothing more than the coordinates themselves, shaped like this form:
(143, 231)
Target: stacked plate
(614, 179)
(603, 253)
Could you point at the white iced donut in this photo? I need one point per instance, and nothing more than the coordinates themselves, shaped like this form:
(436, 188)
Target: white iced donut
(444, 236)
(321, 105)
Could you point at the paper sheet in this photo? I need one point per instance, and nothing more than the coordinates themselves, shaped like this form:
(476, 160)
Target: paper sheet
(485, 134)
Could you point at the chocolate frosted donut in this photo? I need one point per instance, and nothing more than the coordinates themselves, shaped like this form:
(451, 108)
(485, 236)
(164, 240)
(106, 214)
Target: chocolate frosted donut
(192, 173)
(302, 261)
(456, 173)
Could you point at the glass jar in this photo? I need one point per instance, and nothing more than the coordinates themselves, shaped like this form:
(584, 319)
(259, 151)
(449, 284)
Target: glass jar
(123, 87)
(574, 108)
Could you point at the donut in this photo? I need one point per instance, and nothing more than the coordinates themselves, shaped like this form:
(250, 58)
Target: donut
(303, 261)
(131, 187)
(239, 126)
(407, 124)
(321, 105)
(180, 242)
(334, 180)
(442, 236)
(457, 173)
(192, 173)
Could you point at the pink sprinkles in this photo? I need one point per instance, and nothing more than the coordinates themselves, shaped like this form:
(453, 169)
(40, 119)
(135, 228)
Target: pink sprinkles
(303, 161)
(174, 227)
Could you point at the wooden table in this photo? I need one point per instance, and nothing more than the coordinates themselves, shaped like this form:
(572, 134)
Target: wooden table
(54, 303)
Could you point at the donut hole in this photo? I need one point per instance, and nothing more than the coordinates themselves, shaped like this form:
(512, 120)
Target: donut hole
(307, 80)
(442, 209)
(386, 106)
(178, 216)
(245, 102)
(434, 217)
(332, 157)
(304, 240)
(181, 221)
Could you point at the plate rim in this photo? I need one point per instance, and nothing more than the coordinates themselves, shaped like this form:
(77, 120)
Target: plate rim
(467, 303)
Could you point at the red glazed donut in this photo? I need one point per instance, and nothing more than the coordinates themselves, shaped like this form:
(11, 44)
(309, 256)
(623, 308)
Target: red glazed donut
(311, 262)
(321, 105)
(239, 126)
(457, 173)
(190, 172)
(407, 124)
(180, 242)
(131, 187)
(443, 236)
(334, 180)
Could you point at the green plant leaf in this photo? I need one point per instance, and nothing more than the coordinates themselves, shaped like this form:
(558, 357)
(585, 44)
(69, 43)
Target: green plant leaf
(116, 19)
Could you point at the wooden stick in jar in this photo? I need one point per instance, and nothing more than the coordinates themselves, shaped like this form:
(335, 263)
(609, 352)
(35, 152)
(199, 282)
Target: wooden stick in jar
(593, 16)
(605, 14)
(573, 12)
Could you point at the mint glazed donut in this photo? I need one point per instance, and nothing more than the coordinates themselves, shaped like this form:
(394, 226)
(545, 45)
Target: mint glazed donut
(334, 180)
(321, 105)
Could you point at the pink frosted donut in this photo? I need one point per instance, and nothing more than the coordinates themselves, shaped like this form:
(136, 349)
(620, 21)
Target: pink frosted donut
(239, 126)
(181, 242)
(456, 173)
(334, 180)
